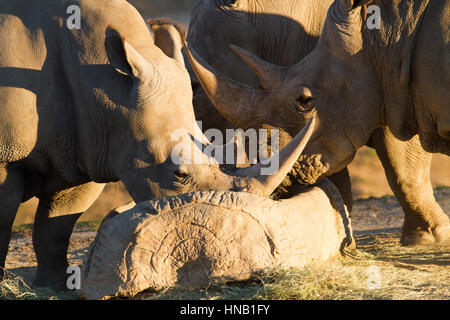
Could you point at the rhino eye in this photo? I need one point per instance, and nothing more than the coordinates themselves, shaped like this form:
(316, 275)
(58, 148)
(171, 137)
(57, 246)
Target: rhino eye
(181, 174)
(303, 104)
(305, 96)
(304, 99)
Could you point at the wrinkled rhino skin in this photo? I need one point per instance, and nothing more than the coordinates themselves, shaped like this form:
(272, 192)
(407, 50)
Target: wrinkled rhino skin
(283, 34)
(196, 239)
(83, 107)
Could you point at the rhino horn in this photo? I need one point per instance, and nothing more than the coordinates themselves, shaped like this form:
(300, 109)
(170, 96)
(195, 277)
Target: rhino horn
(287, 157)
(234, 100)
(269, 74)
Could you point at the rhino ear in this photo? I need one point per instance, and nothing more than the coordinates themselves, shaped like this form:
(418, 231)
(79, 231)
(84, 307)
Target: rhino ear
(361, 2)
(352, 4)
(237, 4)
(124, 58)
(168, 36)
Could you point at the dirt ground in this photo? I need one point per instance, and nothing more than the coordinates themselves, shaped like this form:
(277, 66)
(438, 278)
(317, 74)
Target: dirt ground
(376, 223)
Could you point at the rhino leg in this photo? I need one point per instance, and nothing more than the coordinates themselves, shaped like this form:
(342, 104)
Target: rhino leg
(55, 218)
(12, 185)
(407, 168)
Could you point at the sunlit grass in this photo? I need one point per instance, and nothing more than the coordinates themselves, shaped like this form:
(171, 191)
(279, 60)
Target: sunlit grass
(404, 273)
(14, 287)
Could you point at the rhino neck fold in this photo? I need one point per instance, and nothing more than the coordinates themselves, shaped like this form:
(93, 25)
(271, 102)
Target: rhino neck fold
(391, 50)
(294, 22)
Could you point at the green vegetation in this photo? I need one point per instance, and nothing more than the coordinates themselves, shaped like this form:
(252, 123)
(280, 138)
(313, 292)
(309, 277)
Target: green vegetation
(89, 225)
(86, 225)
(22, 227)
(369, 153)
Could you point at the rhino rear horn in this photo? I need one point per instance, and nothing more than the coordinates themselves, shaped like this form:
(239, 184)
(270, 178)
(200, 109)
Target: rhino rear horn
(270, 75)
(234, 100)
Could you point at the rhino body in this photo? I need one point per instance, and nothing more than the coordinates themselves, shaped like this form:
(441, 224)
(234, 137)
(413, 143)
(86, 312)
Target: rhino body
(282, 34)
(198, 239)
(82, 107)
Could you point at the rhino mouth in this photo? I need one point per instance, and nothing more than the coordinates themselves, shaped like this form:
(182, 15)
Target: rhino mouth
(308, 169)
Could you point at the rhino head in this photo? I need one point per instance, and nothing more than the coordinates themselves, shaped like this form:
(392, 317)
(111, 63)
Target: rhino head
(354, 81)
(162, 153)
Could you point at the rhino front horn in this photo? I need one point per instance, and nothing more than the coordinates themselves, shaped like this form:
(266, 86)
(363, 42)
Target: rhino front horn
(287, 157)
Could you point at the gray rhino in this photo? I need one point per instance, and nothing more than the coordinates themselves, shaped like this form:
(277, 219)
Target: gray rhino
(366, 85)
(80, 107)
